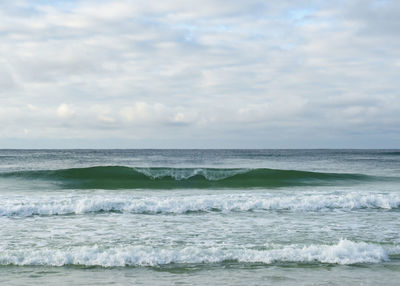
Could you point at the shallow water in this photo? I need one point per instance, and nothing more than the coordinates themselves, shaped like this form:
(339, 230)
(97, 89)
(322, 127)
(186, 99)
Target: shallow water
(285, 217)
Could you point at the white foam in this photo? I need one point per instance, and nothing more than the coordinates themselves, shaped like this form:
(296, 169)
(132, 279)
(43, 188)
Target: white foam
(183, 174)
(81, 204)
(344, 252)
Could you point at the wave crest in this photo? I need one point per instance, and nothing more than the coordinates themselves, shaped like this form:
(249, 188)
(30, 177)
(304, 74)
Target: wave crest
(201, 203)
(120, 177)
(344, 252)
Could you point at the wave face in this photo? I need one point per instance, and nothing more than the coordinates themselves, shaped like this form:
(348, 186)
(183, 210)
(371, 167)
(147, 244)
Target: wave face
(120, 177)
(48, 206)
(344, 252)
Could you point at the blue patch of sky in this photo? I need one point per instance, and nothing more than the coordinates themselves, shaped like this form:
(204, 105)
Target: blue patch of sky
(380, 3)
(300, 14)
(56, 3)
(33, 7)
(305, 16)
(65, 6)
(188, 31)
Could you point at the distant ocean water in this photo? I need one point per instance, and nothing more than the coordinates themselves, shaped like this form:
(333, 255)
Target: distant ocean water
(165, 217)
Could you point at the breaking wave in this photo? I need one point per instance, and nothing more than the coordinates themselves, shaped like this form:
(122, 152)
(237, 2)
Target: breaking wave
(120, 177)
(82, 204)
(344, 252)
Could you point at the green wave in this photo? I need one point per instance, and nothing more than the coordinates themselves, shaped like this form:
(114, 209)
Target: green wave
(120, 177)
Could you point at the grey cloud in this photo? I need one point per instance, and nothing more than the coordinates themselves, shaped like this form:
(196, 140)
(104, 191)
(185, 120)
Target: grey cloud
(248, 69)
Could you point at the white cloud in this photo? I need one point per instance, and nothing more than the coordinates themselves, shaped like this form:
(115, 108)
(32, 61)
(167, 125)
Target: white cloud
(65, 111)
(103, 113)
(179, 118)
(190, 67)
(143, 112)
(31, 107)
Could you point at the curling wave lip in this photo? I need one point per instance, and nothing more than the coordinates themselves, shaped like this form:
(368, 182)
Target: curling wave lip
(121, 177)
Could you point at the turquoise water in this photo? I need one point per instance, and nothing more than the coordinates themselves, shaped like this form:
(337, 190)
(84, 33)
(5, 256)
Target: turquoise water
(170, 217)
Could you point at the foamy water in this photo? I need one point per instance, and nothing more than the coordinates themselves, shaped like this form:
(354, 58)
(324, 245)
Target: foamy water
(344, 252)
(214, 216)
(73, 204)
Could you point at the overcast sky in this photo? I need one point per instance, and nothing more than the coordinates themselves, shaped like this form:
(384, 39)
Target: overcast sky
(199, 74)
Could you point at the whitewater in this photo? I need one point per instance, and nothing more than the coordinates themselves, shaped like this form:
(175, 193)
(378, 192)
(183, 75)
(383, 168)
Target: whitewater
(285, 217)
(161, 204)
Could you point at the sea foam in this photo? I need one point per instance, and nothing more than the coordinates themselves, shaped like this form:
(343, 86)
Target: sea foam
(344, 252)
(178, 204)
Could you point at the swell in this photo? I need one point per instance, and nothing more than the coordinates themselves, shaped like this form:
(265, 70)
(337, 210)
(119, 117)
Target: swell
(392, 153)
(120, 177)
(85, 204)
(344, 252)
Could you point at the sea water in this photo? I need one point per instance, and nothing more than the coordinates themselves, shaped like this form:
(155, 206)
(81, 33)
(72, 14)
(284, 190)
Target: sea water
(178, 217)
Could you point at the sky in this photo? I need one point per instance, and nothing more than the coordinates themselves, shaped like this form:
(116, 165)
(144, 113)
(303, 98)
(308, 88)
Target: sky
(199, 74)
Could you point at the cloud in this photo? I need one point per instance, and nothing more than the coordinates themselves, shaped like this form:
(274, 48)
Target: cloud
(143, 111)
(156, 113)
(65, 111)
(103, 113)
(212, 69)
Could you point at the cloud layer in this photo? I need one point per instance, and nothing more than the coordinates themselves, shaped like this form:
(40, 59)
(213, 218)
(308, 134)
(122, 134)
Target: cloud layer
(199, 74)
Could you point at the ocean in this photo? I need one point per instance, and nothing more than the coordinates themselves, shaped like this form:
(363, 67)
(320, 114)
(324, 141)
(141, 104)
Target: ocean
(199, 217)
